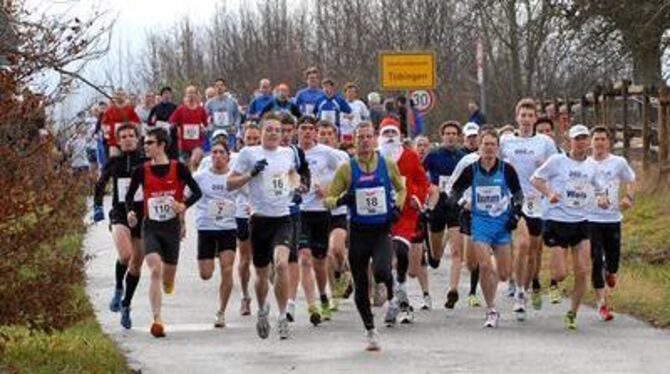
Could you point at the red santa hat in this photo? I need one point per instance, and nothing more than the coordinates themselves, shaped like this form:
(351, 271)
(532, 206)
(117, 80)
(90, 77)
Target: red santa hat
(389, 123)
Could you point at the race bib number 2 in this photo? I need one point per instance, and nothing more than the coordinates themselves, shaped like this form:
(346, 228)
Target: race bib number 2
(160, 208)
(371, 201)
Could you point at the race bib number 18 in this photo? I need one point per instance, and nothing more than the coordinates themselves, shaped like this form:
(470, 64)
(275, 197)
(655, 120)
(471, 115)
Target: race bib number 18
(371, 201)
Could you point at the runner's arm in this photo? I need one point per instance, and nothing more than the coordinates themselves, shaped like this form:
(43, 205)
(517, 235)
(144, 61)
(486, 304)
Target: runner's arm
(185, 175)
(100, 185)
(303, 171)
(461, 184)
(512, 180)
(338, 185)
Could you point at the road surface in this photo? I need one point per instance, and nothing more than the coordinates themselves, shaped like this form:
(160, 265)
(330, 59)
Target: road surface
(440, 341)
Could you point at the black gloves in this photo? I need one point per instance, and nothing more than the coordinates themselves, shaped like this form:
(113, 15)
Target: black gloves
(258, 167)
(297, 197)
(349, 198)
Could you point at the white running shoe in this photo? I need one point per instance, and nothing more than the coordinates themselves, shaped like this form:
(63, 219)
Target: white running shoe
(290, 311)
(492, 318)
(520, 306)
(282, 327)
(391, 313)
(406, 313)
(263, 324)
(220, 320)
(401, 294)
(373, 340)
(427, 303)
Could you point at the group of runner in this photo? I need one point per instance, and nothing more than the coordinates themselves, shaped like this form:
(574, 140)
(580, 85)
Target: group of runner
(274, 187)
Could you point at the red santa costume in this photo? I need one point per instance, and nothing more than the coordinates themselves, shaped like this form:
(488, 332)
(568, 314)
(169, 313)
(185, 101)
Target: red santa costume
(414, 175)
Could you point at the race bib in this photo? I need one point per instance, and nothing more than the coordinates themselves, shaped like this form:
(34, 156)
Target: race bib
(220, 119)
(371, 201)
(160, 208)
(163, 125)
(328, 115)
(576, 194)
(309, 109)
(220, 209)
(122, 185)
(191, 131)
(532, 205)
(443, 183)
(276, 185)
(490, 199)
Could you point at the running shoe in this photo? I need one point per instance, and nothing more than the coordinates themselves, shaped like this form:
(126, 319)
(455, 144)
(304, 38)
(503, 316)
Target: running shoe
(334, 304)
(452, 298)
(245, 306)
(492, 318)
(610, 279)
(263, 324)
(168, 288)
(125, 318)
(520, 306)
(406, 313)
(220, 319)
(326, 313)
(373, 340)
(571, 320)
(536, 299)
(157, 329)
(340, 286)
(473, 301)
(604, 313)
(290, 311)
(314, 315)
(380, 295)
(391, 313)
(282, 328)
(115, 304)
(427, 303)
(401, 294)
(555, 295)
(511, 289)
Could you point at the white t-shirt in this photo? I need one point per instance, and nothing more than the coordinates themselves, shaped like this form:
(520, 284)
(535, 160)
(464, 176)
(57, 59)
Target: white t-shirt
(526, 155)
(465, 162)
(612, 171)
(216, 208)
(349, 121)
(323, 161)
(575, 182)
(271, 191)
(343, 157)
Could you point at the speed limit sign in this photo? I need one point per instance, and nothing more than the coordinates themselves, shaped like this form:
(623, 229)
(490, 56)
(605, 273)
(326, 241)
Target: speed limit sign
(423, 99)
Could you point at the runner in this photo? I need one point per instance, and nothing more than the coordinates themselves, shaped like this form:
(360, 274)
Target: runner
(120, 112)
(419, 250)
(331, 106)
(307, 97)
(270, 171)
(223, 113)
(359, 111)
(569, 181)
(127, 239)
(340, 279)
(282, 103)
(526, 152)
(605, 224)
(190, 119)
(144, 110)
(215, 221)
(315, 219)
(160, 116)
(302, 167)
(365, 185)
(163, 182)
(496, 198)
(404, 231)
(440, 164)
(545, 126)
(262, 98)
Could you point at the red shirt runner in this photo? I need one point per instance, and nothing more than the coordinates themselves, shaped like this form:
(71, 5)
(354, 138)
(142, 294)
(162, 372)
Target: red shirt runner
(190, 127)
(417, 186)
(113, 117)
(160, 192)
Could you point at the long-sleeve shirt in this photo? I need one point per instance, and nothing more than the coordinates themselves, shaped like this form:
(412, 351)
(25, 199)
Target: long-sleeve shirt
(279, 106)
(255, 109)
(331, 109)
(306, 99)
(342, 180)
(119, 169)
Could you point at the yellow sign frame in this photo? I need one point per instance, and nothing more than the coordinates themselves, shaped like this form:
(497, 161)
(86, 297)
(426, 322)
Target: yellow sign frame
(407, 70)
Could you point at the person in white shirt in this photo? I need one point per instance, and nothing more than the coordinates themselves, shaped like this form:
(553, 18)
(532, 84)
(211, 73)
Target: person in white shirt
(215, 221)
(269, 170)
(570, 182)
(359, 111)
(526, 152)
(605, 224)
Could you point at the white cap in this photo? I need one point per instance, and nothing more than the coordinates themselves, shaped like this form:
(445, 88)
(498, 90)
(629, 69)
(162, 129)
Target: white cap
(374, 98)
(219, 132)
(578, 130)
(470, 129)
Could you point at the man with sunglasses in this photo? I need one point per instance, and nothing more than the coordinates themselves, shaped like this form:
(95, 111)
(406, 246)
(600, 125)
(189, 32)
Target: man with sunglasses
(127, 239)
(163, 182)
(270, 172)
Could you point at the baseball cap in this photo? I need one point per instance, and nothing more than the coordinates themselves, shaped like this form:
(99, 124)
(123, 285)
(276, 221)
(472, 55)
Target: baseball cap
(470, 129)
(219, 132)
(578, 130)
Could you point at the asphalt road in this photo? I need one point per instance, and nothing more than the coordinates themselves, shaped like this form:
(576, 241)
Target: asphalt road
(439, 341)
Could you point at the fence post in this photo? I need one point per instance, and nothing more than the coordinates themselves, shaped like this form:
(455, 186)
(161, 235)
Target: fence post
(663, 96)
(646, 136)
(626, 133)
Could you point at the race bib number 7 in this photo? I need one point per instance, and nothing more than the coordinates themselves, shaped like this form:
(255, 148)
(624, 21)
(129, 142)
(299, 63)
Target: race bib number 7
(160, 208)
(371, 201)
(220, 209)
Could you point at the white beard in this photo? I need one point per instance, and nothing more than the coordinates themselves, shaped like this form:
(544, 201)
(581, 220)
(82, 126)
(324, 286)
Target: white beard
(391, 149)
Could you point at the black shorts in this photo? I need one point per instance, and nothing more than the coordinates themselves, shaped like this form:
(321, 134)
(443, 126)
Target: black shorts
(444, 215)
(534, 225)
(295, 231)
(266, 233)
(339, 221)
(314, 232)
(119, 216)
(213, 242)
(242, 229)
(162, 238)
(564, 234)
(465, 222)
